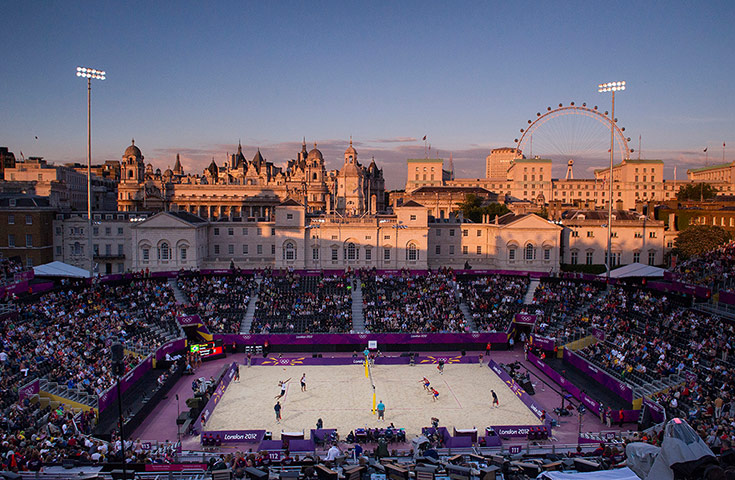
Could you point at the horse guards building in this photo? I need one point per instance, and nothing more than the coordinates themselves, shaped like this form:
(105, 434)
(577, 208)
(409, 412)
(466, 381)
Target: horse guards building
(254, 214)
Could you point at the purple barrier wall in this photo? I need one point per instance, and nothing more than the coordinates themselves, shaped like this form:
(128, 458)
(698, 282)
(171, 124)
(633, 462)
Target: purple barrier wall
(28, 390)
(187, 320)
(657, 411)
(598, 333)
(544, 343)
(24, 276)
(592, 404)
(603, 378)
(516, 389)
(359, 360)
(695, 290)
(216, 396)
(14, 288)
(170, 347)
(126, 382)
(42, 287)
(237, 436)
(525, 318)
(727, 297)
(362, 338)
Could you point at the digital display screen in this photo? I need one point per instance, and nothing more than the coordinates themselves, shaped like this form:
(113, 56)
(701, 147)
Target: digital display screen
(207, 349)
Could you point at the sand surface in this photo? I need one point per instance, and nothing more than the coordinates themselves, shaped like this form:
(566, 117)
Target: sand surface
(342, 397)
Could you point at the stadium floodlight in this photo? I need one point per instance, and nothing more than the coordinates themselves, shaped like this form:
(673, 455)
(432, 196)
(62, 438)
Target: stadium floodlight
(604, 88)
(89, 74)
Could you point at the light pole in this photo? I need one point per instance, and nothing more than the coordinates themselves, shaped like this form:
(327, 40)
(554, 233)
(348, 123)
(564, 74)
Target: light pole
(603, 88)
(89, 74)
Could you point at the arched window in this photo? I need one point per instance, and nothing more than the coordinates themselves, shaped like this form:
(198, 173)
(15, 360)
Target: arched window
(163, 251)
(352, 252)
(289, 251)
(530, 252)
(412, 253)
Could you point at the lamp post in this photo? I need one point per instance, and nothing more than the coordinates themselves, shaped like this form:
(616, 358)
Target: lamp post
(89, 74)
(603, 88)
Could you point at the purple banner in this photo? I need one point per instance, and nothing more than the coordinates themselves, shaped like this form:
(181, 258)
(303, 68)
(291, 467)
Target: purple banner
(544, 343)
(657, 411)
(598, 333)
(126, 382)
(237, 436)
(170, 347)
(24, 276)
(695, 290)
(602, 377)
(525, 318)
(188, 320)
(513, 430)
(217, 395)
(362, 338)
(28, 390)
(359, 360)
(516, 389)
(727, 297)
(14, 289)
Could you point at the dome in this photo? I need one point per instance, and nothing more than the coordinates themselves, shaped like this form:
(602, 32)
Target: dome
(351, 150)
(132, 151)
(315, 154)
(168, 173)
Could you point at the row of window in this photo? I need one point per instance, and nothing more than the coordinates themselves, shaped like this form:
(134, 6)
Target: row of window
(164, 252)
(12, 243)
(591, 234)
(231, 231)
(615, 258)
(11, 220)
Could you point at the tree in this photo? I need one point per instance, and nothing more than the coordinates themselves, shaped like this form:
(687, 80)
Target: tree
(696, 191)
(473, 209)
(700, 239)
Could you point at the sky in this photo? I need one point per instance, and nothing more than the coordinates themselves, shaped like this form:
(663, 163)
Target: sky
(197, 77)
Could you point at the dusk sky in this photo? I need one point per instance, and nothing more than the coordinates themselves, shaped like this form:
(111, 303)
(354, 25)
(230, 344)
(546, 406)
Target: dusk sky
(196, 77)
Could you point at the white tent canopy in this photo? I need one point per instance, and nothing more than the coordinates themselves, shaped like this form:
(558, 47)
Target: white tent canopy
(60, 269)
(635, 270)
(621, 474)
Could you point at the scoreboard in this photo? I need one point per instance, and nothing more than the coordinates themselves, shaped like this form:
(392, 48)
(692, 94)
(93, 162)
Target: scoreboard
(208, 349)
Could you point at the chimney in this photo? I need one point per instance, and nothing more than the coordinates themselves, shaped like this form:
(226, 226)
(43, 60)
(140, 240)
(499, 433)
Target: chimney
(672, 222)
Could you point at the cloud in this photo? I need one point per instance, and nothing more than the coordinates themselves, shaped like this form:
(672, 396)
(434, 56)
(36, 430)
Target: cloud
(393, 140)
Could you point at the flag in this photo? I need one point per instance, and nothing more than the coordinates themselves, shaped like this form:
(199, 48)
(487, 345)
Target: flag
(705, 150)
(424, 137)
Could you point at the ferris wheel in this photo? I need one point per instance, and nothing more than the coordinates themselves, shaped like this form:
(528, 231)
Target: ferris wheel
(573, 132)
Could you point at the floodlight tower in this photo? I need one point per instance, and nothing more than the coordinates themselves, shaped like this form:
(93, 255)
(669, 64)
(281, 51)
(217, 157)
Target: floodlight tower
(604, 88)
(89, 74)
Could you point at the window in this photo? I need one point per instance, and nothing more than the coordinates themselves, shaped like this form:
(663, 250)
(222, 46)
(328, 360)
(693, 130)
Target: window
(351, 252)
(11, 240)
(230, 231)
(669, 244)
(651, 234)
(465, 232)
(273, 231)
(575, 234)
(58, 230)
(335, 254)
(574, 257)
(589, 257)
(479, 233)
(368, 253)
(451, 232)
(652, 258)
(413, 217)
(511, 254)
(638, 234)
(163, 251)
(96, 249)
(413, 253)
(438, 232)
(479, 250)
(289, 216)
(259, 249)
(182, 253)
(216, 230)
(260, 231)
(119, 230)
(386, 254)
(289, 251)
(230, 249)
(530, 252)
(465, 250)
(11, 219)
(438, 249)
(636, 257)
(29, 220)
(451, 249)
(547, 254)
(58, 250)
(315, 253)
(29, 240)
(273, 249)
(216, 249)
(146, 254)
(95, 231)
(244, 249)
(108, 231)
(244, 231)
(590, 234)
(120, 250)
(120, 268)
(108, 249)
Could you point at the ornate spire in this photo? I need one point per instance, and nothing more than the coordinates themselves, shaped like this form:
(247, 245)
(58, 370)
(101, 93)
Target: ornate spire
(132, 142)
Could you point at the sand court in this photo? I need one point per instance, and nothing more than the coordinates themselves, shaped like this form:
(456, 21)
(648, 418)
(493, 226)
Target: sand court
(342, 397)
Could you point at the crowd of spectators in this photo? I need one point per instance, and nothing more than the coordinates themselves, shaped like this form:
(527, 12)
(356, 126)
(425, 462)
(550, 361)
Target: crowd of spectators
(713, 269)
(8, 269)
(406, 302)
(493, 300)
(220, 301)
(293, 303)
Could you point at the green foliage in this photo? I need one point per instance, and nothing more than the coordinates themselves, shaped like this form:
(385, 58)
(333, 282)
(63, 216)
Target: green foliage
(696, 191)
(473, 209)
(700, 239)
(544, 213)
